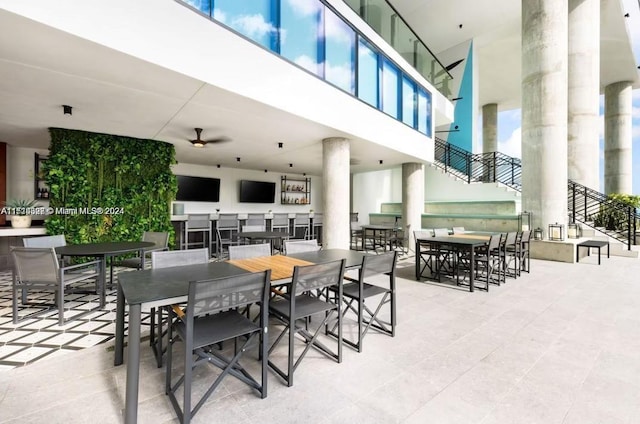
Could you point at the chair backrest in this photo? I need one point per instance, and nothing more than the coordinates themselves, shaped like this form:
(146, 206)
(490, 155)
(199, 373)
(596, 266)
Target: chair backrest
(255, 219)
(355, 226)
(228, 221)
(494, 242)
(220, 294)
(440, 232)
(354, 216)
(198, 222)
(317, 218)
(379, 264)
(35, 264)
(301, 219)
(458, 230)
(160, 239)
(249, 228)
(169, 258)
(422, 234)
(317, 276)
(511, 239)
(526, 238)
(299, 246)
(249, 251)
(280, 220)
(45, 241)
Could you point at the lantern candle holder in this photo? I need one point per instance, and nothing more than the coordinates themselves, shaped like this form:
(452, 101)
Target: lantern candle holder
(574, 231)
(538, 234)
(556, 232)
(524, 221)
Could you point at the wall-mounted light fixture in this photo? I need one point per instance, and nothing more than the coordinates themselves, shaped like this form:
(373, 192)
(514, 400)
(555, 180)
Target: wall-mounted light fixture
(280, 145)
(67, 110)
(290, 165)
(218, 165)
(237, 159)
(380, 161)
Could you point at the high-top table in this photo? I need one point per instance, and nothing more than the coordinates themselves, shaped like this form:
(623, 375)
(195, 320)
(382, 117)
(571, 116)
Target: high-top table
(102, 251)
(167, 286)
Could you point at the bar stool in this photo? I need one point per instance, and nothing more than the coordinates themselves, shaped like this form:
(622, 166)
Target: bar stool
(317, 227)
(227, 229)
(197, 223)
(256, 219)
(303, 222)
(280, 222)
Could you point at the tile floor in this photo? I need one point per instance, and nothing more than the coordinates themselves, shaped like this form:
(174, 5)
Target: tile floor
(559, 345)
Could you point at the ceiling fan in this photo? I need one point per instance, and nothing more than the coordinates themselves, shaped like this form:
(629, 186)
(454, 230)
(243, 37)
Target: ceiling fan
(199, 142)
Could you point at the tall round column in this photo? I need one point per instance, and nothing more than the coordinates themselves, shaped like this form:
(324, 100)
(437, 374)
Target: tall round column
(584, 93)
(617, 138)
(490, 128)
(335, 193)
(544, 110)
(412, 199)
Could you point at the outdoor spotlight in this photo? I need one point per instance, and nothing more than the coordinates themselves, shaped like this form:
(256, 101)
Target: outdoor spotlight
(67, 110)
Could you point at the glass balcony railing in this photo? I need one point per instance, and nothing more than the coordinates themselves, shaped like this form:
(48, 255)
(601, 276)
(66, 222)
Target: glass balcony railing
(311, 35)
(385, 21)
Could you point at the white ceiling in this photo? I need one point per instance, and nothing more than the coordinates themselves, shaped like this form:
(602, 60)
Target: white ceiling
(43, 68)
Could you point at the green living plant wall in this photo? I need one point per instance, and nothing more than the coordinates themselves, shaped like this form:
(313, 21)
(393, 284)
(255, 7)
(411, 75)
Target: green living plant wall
(107, 187)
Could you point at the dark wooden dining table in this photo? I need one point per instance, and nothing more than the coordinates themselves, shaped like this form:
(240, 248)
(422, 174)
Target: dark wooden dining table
(168, 286)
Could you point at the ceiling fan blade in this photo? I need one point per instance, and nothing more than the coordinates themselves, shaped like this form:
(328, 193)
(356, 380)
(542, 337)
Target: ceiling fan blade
(218, 140)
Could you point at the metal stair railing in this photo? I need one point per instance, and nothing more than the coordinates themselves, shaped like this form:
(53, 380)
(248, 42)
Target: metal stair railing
(596, 210)
(494, 167)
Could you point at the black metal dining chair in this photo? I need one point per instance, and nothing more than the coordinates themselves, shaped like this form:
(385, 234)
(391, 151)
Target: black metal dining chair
(211, 318)
(293, 308)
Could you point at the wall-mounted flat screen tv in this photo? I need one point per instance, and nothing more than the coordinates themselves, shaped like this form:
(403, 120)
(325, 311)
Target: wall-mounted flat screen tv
(257, 192)
(198, 189)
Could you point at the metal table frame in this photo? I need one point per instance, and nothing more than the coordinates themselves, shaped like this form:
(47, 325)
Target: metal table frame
(458, 243)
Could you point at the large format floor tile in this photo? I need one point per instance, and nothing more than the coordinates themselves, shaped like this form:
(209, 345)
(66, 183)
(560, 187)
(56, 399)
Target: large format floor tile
(555, 346)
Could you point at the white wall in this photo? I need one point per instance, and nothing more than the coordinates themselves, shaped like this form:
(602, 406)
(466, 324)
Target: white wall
(20, 172)
(439, 186)
(371, 189)
(230, 186)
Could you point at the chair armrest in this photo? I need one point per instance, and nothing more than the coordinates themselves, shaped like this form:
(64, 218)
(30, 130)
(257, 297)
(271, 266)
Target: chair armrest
(353, 280)
(82, 265)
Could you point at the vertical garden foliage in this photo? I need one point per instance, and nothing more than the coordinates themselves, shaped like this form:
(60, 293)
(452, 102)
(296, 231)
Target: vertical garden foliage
(113, 174)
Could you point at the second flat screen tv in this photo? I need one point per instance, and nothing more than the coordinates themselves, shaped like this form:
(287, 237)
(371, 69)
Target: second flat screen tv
(257, 192)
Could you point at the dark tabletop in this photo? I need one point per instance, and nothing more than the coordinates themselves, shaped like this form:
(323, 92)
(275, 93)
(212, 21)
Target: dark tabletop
(381, 227)
(353, 257)
(165, 283)
(262, 234)
(594, 243)
(454, 241)
(103, 248)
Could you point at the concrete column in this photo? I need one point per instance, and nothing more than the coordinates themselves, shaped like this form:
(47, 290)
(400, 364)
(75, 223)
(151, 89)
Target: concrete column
(412, 199)
(490, 128)
(544, 110)
(584, 93)
(617, 138)
(335, 193)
